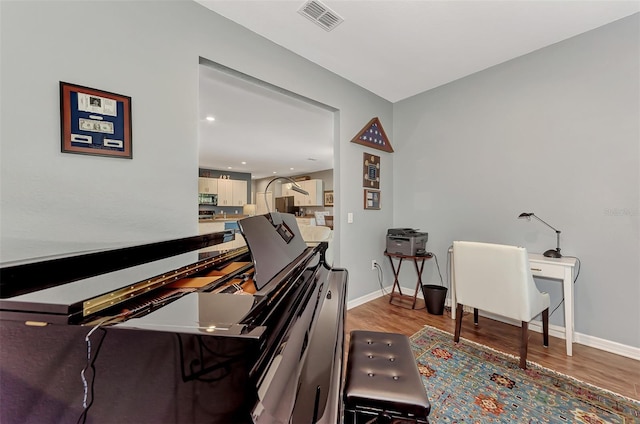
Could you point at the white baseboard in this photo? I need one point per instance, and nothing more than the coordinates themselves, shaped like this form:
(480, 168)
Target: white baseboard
(366, 298)
(609, 346)
(554, 330)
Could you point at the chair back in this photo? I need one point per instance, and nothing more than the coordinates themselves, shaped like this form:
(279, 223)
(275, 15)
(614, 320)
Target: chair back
(496, 278)
(314, 234)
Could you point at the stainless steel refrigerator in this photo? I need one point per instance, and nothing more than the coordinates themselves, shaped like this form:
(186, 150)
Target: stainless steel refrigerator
(285, 205)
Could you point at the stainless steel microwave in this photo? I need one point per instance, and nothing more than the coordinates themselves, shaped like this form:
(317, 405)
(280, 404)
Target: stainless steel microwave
(208, 199)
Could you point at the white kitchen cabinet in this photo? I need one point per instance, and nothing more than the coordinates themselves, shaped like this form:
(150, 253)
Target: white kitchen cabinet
(225, 193)
(261, 206)
(207, 185)
(238, 192)
(315, 197)
(287, 191)
(210, 227)
(232, 192)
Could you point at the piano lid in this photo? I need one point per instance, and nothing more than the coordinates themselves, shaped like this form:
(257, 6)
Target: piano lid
(218, 314)
(27, 276)
(61, 299)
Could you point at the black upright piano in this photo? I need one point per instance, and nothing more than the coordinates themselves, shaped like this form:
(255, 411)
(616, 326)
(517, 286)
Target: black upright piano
(176, 332)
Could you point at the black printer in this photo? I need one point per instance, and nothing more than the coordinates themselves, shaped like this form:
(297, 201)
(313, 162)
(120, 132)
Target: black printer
(406, 241)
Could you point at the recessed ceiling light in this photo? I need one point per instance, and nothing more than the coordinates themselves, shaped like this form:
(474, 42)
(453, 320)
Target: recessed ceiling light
(290, 169)
(243, 162)
(228, 167)
(210, 118)
(275, 172)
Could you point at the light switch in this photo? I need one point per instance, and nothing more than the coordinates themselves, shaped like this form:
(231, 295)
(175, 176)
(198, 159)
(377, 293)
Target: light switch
(350, 218)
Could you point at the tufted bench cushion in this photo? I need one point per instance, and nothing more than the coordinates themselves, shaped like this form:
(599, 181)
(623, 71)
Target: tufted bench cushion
(383, 379)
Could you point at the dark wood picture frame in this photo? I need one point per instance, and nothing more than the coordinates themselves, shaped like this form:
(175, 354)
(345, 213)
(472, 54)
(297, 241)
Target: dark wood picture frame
(95, 122)
(328, 198)
(371, 199)
(371, 171)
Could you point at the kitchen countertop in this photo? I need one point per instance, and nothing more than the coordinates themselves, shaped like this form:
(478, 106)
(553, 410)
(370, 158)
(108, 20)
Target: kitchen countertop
(229, 218)
(237, 217)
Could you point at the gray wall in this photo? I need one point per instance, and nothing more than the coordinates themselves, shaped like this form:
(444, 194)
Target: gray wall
(148, 50)
(555, 132)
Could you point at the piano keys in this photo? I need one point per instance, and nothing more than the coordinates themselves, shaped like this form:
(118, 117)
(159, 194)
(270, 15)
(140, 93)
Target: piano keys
(175, 332)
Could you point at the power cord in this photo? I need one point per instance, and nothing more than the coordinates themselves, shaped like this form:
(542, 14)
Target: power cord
(381, 275)
(574, 281)
(380, 279)
(90, 364)
(437, 266)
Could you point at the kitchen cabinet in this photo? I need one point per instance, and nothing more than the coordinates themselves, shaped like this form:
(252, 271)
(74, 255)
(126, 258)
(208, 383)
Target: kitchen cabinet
(232, 192)
(210, 227)
(216, 226)
(224, 193)
(316, 193)
(315, 197)
(239, 192)
(286, 190)
(261, 206)
(207, 185)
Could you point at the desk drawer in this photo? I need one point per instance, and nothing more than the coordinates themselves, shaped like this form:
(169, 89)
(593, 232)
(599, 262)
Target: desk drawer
(547, 270)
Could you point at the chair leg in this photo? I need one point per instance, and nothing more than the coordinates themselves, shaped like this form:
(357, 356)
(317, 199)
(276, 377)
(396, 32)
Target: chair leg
(545, 327)
(523, 345)
(475, 316)
(456, 337)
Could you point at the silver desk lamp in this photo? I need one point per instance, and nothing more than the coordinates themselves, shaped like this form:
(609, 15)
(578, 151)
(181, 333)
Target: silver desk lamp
(551, 253)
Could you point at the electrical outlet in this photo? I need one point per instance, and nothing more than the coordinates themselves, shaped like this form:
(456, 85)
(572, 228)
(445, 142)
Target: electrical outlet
(374, 263)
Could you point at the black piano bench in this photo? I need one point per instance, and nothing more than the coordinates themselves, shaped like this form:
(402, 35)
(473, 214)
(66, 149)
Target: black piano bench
(383, 384)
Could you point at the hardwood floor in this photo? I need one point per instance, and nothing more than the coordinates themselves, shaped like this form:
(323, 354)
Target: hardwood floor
(609, 371)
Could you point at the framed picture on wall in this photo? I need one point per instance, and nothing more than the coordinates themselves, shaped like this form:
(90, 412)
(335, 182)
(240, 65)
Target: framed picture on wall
(371, 199)
(371, 171)
(328, 198)
(95, 122)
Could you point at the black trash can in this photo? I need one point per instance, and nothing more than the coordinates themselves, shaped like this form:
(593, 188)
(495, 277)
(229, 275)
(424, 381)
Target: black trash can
(434, 297)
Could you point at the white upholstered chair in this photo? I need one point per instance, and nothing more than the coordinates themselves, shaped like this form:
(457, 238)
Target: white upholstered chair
(497, 278)
(314, 234)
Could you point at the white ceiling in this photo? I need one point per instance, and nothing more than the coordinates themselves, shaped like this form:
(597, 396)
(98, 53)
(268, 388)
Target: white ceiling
(399, 48)
(274, 133)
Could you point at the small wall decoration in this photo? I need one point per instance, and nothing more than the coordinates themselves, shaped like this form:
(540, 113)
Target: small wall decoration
(328, 198)
(95, 122)
(371, 171)
(373, 135)
(371, 199)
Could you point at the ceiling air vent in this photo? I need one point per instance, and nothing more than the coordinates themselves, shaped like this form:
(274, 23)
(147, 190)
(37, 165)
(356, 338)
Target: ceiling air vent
(320, 14)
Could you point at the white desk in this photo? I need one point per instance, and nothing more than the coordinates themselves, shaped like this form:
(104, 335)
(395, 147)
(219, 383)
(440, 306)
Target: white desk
(561, 269)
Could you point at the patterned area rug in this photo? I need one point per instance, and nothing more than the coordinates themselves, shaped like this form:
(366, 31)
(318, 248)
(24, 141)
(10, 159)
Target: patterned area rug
(471, 383)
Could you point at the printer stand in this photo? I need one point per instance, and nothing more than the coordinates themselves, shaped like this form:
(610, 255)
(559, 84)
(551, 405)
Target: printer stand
(396, 273)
